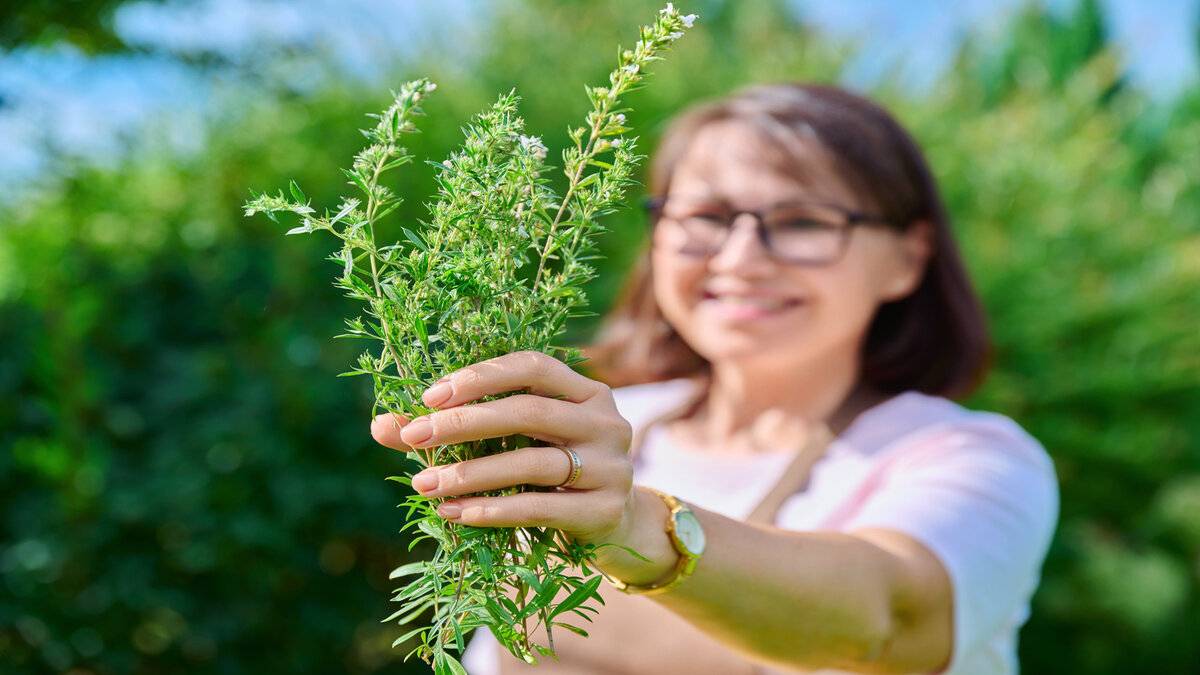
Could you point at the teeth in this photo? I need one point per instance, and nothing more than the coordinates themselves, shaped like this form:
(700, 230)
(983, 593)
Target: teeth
(761, 303)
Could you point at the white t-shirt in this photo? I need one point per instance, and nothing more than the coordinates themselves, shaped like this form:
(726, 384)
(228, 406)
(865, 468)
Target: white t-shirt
(972, 486)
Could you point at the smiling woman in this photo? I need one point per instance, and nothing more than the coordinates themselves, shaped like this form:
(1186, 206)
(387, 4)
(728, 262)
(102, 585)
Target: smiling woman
(780, 445)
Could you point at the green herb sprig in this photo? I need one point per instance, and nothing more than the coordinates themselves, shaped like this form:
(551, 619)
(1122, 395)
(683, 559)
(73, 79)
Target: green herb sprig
(498, 268)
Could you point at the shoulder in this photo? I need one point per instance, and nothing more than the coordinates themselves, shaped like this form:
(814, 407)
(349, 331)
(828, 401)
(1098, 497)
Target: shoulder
(917, 424)
(979, 451)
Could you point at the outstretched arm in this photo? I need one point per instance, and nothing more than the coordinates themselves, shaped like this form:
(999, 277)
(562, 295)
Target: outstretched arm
(874, 600)
(871, 601)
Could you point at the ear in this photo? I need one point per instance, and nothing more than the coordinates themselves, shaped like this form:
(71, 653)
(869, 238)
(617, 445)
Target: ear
(915, 249)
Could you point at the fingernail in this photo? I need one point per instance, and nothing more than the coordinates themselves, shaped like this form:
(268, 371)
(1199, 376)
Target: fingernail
(437, 394)
(426, 481)
(417, 431)
(449, 511)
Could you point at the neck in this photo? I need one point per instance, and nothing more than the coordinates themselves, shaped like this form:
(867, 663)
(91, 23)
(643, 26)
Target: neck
(825, 389)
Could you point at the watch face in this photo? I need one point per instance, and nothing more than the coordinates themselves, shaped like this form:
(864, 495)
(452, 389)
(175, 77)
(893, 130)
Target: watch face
(687, 528)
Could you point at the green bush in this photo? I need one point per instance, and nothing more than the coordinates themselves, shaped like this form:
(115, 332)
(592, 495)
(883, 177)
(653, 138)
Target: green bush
(188, 488)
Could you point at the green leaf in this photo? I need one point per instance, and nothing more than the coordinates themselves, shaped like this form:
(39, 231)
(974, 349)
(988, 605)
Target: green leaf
(484, 557)
(578, 596)
(358, 180)
(410, 611)
(417, 567)
(343, 213)
(421, 331)
(405, 638)
(434, 531)
(549, 590)
(501, 615)
(444, 664)
(574, 629)
(528, 576)
(296, 193)
(412, 236)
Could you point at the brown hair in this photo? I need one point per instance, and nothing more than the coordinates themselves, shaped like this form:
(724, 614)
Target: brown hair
(933, 341)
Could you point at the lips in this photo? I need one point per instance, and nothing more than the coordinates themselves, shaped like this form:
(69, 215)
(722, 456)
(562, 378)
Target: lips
(747, 306)
(764, 301)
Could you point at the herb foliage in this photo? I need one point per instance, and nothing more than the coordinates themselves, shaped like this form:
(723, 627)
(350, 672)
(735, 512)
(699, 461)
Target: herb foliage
(499, 267)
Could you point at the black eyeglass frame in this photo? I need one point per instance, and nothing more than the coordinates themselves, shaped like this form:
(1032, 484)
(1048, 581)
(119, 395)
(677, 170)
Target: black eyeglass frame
(653, 207)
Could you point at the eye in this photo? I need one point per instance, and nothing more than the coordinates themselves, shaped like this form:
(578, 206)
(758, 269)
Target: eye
(804, 219)
(801, 224)
(708, 216)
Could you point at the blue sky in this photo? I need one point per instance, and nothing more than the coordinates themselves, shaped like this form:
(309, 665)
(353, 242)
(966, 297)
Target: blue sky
(59, 102)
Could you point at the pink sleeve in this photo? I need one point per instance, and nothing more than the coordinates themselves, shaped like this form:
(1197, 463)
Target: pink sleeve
(983, 497)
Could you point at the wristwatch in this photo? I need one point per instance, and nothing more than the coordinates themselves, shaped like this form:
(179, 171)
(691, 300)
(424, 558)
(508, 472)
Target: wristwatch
(688, 539)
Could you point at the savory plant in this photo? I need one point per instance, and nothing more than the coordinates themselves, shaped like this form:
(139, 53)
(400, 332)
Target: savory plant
(499, 267)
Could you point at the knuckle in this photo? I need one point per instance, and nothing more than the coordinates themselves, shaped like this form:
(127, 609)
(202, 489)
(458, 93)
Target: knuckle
(619, 429)
(623, 475)
(456, 476)
(450, 420)
(541, 364)
(491, 512)
(466, 379)
(529, 409)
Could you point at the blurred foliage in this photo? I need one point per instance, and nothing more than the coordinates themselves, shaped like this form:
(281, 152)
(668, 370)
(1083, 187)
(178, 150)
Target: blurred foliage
(188, 488)
(87, 24)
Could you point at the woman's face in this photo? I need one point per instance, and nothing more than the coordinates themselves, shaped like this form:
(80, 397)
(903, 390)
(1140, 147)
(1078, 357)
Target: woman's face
(740, 304)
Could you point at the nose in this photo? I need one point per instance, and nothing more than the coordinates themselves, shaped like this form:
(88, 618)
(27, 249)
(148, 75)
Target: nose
(743, 248)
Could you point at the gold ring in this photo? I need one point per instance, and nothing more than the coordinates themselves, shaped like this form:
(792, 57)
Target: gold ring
(576, 468)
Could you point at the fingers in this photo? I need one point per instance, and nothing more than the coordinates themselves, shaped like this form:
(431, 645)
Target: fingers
(385, 429)
(543, 466)
(575, 513)
(543, 375)
(558, 422)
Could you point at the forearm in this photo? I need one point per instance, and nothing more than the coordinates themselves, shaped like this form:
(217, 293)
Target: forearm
(801, 599)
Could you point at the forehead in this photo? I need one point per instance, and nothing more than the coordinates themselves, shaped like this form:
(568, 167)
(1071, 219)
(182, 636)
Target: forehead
(743, 164)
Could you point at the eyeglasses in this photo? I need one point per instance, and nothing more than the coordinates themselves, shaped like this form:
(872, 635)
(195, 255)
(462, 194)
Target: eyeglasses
(793, 232)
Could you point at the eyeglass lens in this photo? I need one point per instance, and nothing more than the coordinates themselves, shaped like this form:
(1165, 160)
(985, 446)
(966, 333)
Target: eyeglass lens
(794, 232)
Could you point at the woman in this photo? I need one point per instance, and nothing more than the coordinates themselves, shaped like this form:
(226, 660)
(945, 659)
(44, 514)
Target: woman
(801, 284)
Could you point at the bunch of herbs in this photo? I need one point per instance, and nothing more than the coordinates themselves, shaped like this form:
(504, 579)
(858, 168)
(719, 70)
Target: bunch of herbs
(499, 267)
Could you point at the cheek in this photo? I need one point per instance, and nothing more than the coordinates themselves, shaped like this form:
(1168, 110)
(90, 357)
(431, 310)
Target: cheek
(846, 298)
(675, 285)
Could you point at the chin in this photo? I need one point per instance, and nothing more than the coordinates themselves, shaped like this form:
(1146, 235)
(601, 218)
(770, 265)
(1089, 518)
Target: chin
(734, 345)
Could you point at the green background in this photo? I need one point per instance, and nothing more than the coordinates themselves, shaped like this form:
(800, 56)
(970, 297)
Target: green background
(187, 487)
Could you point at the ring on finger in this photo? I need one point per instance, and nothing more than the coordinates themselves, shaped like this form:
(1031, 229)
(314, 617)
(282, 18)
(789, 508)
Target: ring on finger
(576, 468)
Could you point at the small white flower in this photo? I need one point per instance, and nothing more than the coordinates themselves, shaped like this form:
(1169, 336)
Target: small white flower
(616, 142)
(432, 86)
(446, 163)
(534, 146)
(619, 118)
(688, 20)
(631, 68)
(674, 35)
(669, 9)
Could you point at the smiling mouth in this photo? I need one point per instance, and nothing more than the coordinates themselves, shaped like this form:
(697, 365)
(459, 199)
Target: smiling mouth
(760, 303)
(749, 306)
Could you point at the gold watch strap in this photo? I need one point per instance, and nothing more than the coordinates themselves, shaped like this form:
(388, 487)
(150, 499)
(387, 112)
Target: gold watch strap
(683, 567)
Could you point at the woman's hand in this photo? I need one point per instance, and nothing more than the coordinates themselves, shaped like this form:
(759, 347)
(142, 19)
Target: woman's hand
(562, 408)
